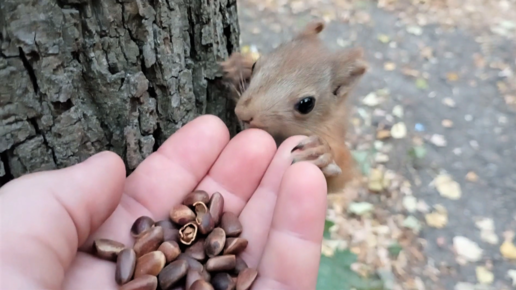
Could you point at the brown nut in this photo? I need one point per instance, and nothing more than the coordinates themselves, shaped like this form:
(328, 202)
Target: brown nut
(172, 273)
(125, 265)
(192, 263)
(140, 225)
(216, 207)
(192, 276)
(182, 214)
(203, 219)
(214, 243)
(230, 224)
(107, 249)
(196, 250)
(170, 249)
(246, 279)
(240, 266)
(170, 232)
(149, 241)
(150, 264)
(201, 285)
(221, 263)
(223, 281)
(188, 233)
(235, 246)
(145, 282)
(198, 195)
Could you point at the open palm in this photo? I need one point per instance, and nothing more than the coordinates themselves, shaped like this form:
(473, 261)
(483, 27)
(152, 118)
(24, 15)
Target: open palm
(48, 218)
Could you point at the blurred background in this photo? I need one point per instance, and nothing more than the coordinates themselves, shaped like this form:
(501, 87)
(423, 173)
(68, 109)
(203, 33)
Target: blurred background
(432, 128)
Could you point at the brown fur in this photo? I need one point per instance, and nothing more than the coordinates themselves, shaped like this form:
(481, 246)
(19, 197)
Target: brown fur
(267, 94)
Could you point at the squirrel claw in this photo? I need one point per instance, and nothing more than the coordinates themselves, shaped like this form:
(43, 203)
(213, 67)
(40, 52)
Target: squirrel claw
(315, 150)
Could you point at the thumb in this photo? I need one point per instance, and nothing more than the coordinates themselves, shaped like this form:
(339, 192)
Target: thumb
(46, 216)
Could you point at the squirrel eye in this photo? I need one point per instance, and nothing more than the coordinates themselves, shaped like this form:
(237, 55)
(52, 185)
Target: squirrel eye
(305, 105)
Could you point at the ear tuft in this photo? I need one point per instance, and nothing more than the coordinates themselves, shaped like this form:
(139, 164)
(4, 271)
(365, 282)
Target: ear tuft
(349, 67)
(313, 28)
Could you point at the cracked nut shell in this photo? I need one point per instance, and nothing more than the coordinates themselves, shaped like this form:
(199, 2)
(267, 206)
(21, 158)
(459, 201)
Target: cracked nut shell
(188, 233)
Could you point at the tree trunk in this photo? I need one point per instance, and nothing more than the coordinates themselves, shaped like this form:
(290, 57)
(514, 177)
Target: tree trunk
(81, 76)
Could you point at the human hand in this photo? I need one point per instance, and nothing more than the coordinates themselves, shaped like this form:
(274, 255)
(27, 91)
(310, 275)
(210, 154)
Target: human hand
(48, 219)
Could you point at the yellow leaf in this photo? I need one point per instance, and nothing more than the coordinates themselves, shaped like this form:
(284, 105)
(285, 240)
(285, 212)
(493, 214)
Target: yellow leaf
(484, 276)
(472, 176)
(508, 250)
(389, 66)
(376, 180)
(383, 38)
(447, 187)
(437, 219)
(452, 77)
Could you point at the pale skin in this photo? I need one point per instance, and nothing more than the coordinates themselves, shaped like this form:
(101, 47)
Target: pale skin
(47, 219)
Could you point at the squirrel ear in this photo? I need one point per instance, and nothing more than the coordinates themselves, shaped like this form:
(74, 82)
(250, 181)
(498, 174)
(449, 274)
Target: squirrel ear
(348, 68)
(313, 28)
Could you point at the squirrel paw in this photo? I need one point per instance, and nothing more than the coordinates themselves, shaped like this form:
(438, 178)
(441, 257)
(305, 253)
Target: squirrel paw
(315, 150)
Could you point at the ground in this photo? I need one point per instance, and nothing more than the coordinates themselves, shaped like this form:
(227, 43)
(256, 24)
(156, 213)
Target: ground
(433, 132)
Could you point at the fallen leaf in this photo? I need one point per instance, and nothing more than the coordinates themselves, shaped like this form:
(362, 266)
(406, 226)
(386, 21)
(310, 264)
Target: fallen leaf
(410, 72)
(413, 29)
(399, 130)
(395, 249)
(426, 52)
(464, 286)
(412, 223)
(484, 276)
(383, 38)
(418, 152)
(512, 275)
(360, 208)
(421, 84)
(487, 230)
(508, 249)
(389, 66)
(375, 183)
(398, 111)
(438, 140)
(449, 102)
(447, 187)
(467, 249)
(410, 203)
(472, 176)
(447, 123)
(383, 134)
(372, 100)
(438, 218)
(381, 157)
(452, 77)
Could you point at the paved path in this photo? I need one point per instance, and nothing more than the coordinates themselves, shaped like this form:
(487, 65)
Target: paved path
(483, 136)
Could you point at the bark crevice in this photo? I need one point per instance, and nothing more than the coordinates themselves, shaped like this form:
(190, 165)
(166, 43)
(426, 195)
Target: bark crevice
(116, 75)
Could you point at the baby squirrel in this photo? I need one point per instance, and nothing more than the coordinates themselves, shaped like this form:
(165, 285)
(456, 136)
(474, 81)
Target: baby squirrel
(300, 88)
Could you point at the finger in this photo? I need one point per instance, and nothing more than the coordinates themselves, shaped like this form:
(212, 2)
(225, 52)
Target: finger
(166, 176)
(257, 215)
(292, 254)
(51, 213)
(179, 165)
(238, 171)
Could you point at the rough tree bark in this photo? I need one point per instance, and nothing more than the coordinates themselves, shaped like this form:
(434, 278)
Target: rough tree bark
(81, 76)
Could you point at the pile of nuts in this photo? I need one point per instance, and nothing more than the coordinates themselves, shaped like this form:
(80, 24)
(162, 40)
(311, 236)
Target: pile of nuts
(196, 249)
